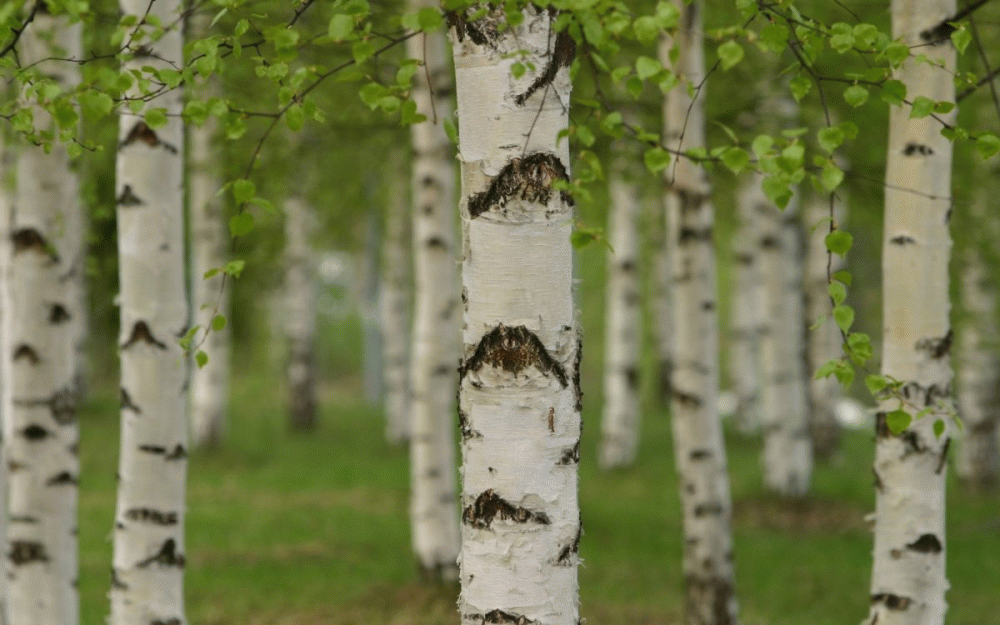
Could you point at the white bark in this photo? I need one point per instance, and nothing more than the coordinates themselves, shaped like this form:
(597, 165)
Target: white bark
(823, 343)
(394, 306)
(749, 316)
(908, 577)
(519, 397)
(623, 328)
(209, 245)
(147, 577)
(787, 455)
(41, 298)
(7, 169)
(661, 301)
(437, 315)
(300, 313)
(698, 446)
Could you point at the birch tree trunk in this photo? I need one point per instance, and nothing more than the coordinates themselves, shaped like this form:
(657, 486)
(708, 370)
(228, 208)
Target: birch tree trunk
(706, 506)
(519, 391)
(437, 314)
(147, 577)
(8, 167)
(823, 343)
(662, 301)
(40, 301)
(210, 296)
(300, 314)
(623, 329)
(908, 576)
(394, 306)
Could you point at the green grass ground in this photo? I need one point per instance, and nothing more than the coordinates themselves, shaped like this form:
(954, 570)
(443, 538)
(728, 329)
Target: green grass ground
(292, 529)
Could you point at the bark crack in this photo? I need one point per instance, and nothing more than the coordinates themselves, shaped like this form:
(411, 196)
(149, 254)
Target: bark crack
(499, 617)
(513, 349)
(527, 178)
(562, 55)
(489, 506)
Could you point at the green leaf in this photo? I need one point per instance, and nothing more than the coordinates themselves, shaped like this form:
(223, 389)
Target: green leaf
(211, 273)
(838, 292)
(736, 159)
(234, 268)
(583, 237)
(876, 383)
(96, 103)
(518, 69)
(921, 107)
(987, 144)
(800, 86)
(827, 369)
(218, 323)
(656, 159)
(243, 191)
(295, 117)
(856, 95)
(843, 276)
(730, 53)
(897, 52)
(772, 38)
(340, 27)
(893, 92)
(831, 176)
(844, 316)
(845, 374)
(839, 242)
(185, 341)
(647, 67)
(897, 421)
(961, 38)
(201, 358)
(646, 29)
(155, 118)
(939, 424)
(241, 224)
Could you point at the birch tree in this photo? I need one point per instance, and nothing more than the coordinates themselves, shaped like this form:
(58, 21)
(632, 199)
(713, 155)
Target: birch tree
(519, 391)
(43, 260)
(908, 576)
(623, 329)
(749, 317)
(147, 574)
(394, 304)
(437, 313)
(698, 447)
(300, 314)
(661, 301)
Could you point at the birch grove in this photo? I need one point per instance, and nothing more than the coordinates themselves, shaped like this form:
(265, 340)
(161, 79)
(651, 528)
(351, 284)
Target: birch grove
(623, 327)
(908, 581)
(40, 301)
(437, 314)
(147, 576)
(519, 391)
(299, 299)
(710, 593)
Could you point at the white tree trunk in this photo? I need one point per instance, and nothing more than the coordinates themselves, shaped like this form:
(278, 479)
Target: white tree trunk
(908, 577)
(394, 305)
(699, 451)
(300, 314)
(519, 397)
(662, 301)
(437, 315)
(823, 343)
(147, 578)
(787, 455)
(749, 318)
(41, 298)
(8, 167)
(623, 328)
(209, 246)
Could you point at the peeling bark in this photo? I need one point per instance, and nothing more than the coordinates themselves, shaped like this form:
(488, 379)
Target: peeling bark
(154, 312)
(908, 584)
(519, 389)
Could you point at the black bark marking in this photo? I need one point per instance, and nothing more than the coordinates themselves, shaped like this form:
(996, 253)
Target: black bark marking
(570, 455)
(927, 543)
(689, 199)
(169, 621)
(902, 239)
(566, 553)
(686, 399)
(744, 259)
(879, 485)
(58, 314)
(26, 552)
(499, 617)
(551, 418)
(632, 377)
(166, 556)
(688, 234)
(917, 148)
(938, 33)
(34, 432)
(528, 179)
(26, 351)
(627, 266)
(29, 239)
(149, 515)
(128, 404)
(706, 509)
(513, 349)
(770, 242)
(700, 454)
(938, 348)
(64, 478)
(577, 387)
(142, 132)
(489, 505)
(23, 519)
(116, 581)
(153, 449)
(943, 458)
(62, 405)
(891, 601)
(178, 453)
(128, 198)
(463, 426)
(710, 589)
(140, 332)
(437, 242)
(563, 53)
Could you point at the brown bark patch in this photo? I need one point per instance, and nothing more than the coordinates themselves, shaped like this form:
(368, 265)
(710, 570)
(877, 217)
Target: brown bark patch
(927, 543)
(891, 601)
(26, 351)
(128, 197)
(141, 132)
(31, 240)
(489, 506)
(65, 478)
(26, 551)
(528, 179)
(141, 332)
(166, 556)
(513, 350)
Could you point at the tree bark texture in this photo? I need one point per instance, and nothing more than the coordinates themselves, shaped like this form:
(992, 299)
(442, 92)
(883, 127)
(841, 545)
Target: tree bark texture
(41, 298)
(395, 304)
(908, 577)
(823, 343)
(787, 454)
(300, 314)
(623, 327)
(8, 167)
(699, 451)
(437, 315)
(147, 576)
(210, 296)
(519, 391)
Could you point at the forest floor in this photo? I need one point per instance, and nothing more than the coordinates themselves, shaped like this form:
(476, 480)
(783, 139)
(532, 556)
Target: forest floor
(312, 529)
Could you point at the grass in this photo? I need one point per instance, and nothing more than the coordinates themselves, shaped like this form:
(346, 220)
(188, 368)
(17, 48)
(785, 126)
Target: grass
(304, 529)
